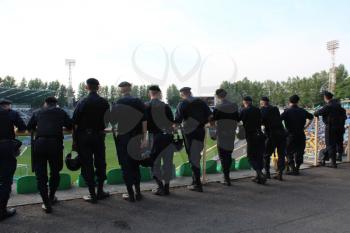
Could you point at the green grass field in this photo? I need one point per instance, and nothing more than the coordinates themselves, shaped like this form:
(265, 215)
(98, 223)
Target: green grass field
(111, 157)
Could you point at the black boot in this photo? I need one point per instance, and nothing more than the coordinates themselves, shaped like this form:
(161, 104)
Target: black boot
(227, 180)
(267, 174)
(197, 187)
(297, 170)
(53, 198)
(138, 195)
(278, 176)
(130, 196)
(101, 194)
(166, 189)
(261, 179)
(92, 198)
(292, 170)
(160, 189)
(6, 213)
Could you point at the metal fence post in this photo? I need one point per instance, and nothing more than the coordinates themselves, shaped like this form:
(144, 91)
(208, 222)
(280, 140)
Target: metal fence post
(348, 144)
(204, 158)
(316, 142)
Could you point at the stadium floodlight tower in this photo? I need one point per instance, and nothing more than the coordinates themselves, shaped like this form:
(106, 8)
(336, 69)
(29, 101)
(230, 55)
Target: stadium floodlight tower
(332, 46)
(70, 63)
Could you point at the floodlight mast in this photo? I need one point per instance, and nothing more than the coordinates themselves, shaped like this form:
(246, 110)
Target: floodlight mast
(332, 47)
(70, 63)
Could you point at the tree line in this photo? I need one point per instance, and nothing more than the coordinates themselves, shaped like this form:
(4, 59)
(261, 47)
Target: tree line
(308, 88)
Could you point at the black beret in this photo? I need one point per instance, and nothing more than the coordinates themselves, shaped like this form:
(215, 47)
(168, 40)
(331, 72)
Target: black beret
(220, 92)
(294, 99)
(154, 88)
(5, 101)
(124, 84)
(92, 81)
(265, 98)
(328, 94)
(51, 100)
(185, 89)
(248, 98)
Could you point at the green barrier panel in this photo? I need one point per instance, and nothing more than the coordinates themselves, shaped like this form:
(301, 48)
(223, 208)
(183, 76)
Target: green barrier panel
(233, 166)
(27, 184)
(81, 182)
(115, 176)
(184, 170)
(65, 181)
(243, 163)
(211, 167)
(173, 174)
(146, 174)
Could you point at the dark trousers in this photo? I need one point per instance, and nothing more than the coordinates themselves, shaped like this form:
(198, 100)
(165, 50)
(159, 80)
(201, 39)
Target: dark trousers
(255, 150)
(334, 142)
(92, 152)
(226, 160)
(271, 144)
(8, 164)
(296, 149)
(48, 151)
(129, 155)
(194, 146)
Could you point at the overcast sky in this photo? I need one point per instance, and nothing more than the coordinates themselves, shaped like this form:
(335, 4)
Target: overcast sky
(189, 42)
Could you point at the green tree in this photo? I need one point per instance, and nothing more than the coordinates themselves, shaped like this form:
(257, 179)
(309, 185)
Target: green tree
(8, 82)
(23, 84)
(173, 95)
(82, 92)
(36, 84)
(62, 96)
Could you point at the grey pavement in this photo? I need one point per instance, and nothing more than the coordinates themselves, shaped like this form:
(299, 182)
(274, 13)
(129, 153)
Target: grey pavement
(316, 201)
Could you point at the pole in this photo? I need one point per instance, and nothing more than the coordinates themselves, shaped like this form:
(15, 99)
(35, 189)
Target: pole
(204, 158)
(348, 145)
(316, 142)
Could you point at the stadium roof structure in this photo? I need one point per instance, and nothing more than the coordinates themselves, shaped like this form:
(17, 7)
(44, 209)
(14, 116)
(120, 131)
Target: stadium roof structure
(24, 96)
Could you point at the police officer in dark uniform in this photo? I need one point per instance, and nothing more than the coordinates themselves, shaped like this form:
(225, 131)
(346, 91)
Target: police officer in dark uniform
(334, 117)
(275, 137)
(89, 139)
(128, 117)
(296, 120)
(194, 114)
(48, 148)
(8, 163)
(251, 118)
(225, 116)
(160, 120)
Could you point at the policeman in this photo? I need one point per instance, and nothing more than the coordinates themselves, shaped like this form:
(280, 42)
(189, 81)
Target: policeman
(275, 137)
(334, 117)
(48, 148)
(194, 114)
(89, 140)
(8, 163)
(296, 120)
(225, 116)
(128, 117)
(160, 120)
(251, 118)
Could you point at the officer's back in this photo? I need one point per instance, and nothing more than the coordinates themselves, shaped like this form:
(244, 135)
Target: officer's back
(333, 115)
(295, 119)
(226, 116)
(159, 116)
(8, 119)
(48, 121)
(251, 118)
(128, 113)
(271, 119)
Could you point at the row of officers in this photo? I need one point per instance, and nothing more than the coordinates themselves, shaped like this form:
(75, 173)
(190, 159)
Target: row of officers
(144, 135)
